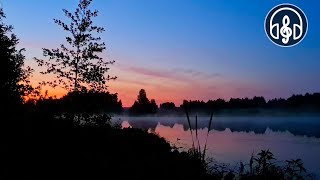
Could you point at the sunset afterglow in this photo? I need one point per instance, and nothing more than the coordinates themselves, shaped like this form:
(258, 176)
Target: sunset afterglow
(184, 51)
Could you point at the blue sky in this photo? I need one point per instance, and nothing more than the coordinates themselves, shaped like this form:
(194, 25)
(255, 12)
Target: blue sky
(184, 49)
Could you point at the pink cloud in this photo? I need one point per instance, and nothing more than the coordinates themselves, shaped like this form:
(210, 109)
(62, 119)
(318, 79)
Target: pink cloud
(177, 74)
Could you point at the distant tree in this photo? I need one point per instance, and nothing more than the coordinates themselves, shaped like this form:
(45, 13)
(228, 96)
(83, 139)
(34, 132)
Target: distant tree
(77, 66)
(217, 104)
(153, 106)
(184, 104)
(143, 105)
(142, 97)
(168, 106)
(14, 78)
(258, 102)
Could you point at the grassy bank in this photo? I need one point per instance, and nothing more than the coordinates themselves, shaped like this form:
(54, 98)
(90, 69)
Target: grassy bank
(51, 148)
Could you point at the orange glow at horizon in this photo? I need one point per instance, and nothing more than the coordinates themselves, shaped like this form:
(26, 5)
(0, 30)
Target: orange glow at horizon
(164, 85)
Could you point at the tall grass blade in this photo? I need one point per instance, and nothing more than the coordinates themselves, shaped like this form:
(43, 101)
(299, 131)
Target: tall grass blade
(189, 123)
(197, 138)
(205, 145)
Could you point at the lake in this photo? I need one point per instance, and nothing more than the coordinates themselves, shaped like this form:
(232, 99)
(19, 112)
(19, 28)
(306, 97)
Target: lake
(234, 139)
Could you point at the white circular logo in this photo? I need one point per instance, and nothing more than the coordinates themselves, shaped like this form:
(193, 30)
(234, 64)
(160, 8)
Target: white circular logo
(286, 25)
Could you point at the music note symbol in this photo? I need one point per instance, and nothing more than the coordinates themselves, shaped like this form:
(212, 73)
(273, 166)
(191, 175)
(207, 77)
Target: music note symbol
(285, 31)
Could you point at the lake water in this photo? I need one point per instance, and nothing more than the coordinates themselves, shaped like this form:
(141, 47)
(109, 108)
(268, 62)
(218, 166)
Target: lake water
(234, 139)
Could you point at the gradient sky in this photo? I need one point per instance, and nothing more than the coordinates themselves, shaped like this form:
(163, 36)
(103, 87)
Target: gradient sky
(183, 49)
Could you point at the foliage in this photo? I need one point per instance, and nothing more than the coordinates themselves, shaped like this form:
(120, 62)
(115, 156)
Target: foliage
(265, 166)
(168, 106)
(91, 102)
(86, 119)
(14, 78)
(143, 105)
(78, 103)
(77, 66)
(307, 102)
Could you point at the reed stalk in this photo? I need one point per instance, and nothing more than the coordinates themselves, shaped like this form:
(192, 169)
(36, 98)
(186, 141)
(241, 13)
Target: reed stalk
(205, 145)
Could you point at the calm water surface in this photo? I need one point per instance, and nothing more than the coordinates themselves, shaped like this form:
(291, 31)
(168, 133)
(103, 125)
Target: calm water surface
(234, 139)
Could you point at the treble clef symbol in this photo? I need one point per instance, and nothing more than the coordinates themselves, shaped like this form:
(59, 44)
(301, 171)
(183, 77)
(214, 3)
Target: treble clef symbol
(285, 31)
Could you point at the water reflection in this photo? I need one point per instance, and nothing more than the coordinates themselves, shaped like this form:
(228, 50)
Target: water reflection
(232, 141)
(308, 126)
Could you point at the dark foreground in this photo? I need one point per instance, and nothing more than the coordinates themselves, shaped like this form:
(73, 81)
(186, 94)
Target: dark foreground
(62, 149)
(39, 145)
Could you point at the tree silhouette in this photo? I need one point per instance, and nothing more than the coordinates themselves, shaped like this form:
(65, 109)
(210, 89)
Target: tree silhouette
(143, 105)
(142, 97)
(168, 106)
(14, 83)
(153, 106)
(91, 102)
(77, 66)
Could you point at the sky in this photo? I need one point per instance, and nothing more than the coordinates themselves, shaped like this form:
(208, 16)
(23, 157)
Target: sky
(182, 49)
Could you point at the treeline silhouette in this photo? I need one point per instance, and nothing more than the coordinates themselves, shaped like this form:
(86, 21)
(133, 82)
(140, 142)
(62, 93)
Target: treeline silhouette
(295, 103)
(80, 101)
(168, 106)
(308, 103)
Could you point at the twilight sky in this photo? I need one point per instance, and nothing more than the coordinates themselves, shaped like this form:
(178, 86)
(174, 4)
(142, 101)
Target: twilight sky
(183, 49)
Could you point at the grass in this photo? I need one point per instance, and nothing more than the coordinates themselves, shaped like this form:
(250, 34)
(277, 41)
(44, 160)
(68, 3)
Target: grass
(196, 150)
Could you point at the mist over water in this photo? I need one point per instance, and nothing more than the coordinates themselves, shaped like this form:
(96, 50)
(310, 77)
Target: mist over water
(234, 139)
(303, 126)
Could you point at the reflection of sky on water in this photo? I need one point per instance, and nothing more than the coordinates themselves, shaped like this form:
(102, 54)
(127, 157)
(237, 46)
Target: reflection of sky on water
(234, 146)
(308, 126)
